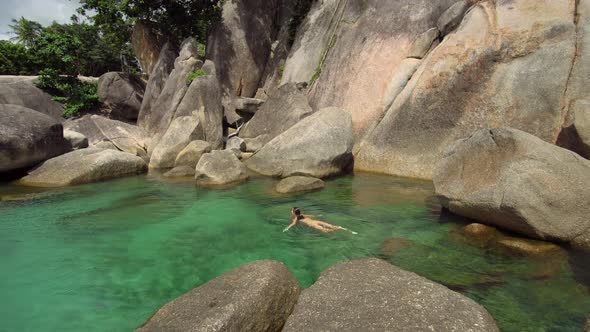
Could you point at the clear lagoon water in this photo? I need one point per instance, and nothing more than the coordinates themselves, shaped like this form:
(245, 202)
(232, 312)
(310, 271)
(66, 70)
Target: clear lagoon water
(104, 257)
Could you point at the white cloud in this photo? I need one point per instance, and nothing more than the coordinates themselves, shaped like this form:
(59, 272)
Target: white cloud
(42, 11)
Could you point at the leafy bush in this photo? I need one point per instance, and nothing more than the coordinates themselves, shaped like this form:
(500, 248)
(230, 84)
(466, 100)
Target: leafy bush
(191, 77)
(77, 96)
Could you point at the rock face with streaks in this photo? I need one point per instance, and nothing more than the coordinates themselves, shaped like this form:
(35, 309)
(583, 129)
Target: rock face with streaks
(509, 63)
(122, 93)
(147, 45)
(513, 180)
(373, 295)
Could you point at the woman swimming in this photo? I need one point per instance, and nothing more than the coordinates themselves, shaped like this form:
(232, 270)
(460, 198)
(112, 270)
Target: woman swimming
(317, 224)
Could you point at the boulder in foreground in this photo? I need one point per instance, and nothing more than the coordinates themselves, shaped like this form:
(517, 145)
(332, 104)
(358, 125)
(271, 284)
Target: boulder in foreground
(28, 137)
(220, 167)
(257, 296)
(513, 180)
(295, 184)
(84, 166)
(373, 295)
(319, 146)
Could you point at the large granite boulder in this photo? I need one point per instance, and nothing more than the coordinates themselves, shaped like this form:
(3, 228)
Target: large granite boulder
(164, 109)
(147, 44)
(280, 112)
(240, 44)
(203, 99)
(295, 184)
(348, 51)
(192, 153)
(84, 166)
(98, 129)
(181, 132)
(257, 296)
(509, 63)
(158, 78)
(122, 93)
(28, 137)
(582, 125)
(20, 91)
(373, 295)
(319, 145)
(77, 140)
(220, 167)
(516, 181)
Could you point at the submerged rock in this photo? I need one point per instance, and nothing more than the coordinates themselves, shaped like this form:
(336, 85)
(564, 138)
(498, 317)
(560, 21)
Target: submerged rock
(220, 167)
(84, 166)
(319, 146)
(373, 295)
(122, 93)
(28, 137)
(392, 245)
(525, 247)
(257, 296)
(298, 184)
(507, 178)
(480, 232)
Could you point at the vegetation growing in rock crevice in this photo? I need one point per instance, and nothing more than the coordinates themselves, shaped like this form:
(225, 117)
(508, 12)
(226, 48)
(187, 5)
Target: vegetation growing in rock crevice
(191, 76)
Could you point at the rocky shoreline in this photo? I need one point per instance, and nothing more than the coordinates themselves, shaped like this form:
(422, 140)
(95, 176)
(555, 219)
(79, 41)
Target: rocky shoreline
(487, 99)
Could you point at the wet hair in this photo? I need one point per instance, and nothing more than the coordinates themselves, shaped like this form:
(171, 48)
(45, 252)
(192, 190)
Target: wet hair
(297, 212)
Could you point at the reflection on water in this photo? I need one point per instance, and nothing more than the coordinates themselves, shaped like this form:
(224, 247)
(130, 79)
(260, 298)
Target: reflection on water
(103, 257)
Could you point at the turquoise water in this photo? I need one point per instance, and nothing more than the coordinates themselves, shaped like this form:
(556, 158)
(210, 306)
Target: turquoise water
(103, 257)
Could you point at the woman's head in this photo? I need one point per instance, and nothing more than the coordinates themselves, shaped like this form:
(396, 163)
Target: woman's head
(296, 212)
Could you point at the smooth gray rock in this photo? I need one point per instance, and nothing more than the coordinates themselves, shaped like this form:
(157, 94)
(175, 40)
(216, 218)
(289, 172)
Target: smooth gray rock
(220, 167)
(122, 93)
(97, 129)
(192, 153)
(15, 90)
(280, 112)
(248, 105)
(399, 80)
(236, 143)
(181, 172)
(423, 43)
(77, 140)
(28, 137)
(257, 296)
(181, 132)
(156, 83)
(319, 146)
(255, 144)
(582, 124)
(513, 180)
(373, 295)
(84, 166)
(451, 18)
(106, 145)
(240, 44)
(295, 184)
(203, 99)
(164, 109)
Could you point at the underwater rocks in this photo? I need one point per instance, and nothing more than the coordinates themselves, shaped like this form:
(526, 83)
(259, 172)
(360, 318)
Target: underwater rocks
(84, 166)
(257, 296)
(295, 184)
(319, 146)
(220, 167)
(513, 180)
(373, 295)
(28, 137)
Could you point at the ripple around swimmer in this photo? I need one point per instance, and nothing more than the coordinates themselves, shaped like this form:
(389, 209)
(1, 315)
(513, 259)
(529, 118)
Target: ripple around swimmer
(105, 256)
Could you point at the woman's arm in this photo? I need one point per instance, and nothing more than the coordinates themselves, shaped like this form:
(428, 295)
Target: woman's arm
(291, 225)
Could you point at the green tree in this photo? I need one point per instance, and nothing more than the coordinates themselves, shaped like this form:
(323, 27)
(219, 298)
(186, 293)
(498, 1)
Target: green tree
(15, 59)
(25, 31)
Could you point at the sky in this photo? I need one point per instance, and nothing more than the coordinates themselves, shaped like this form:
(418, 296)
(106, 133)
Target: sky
(42, 11)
